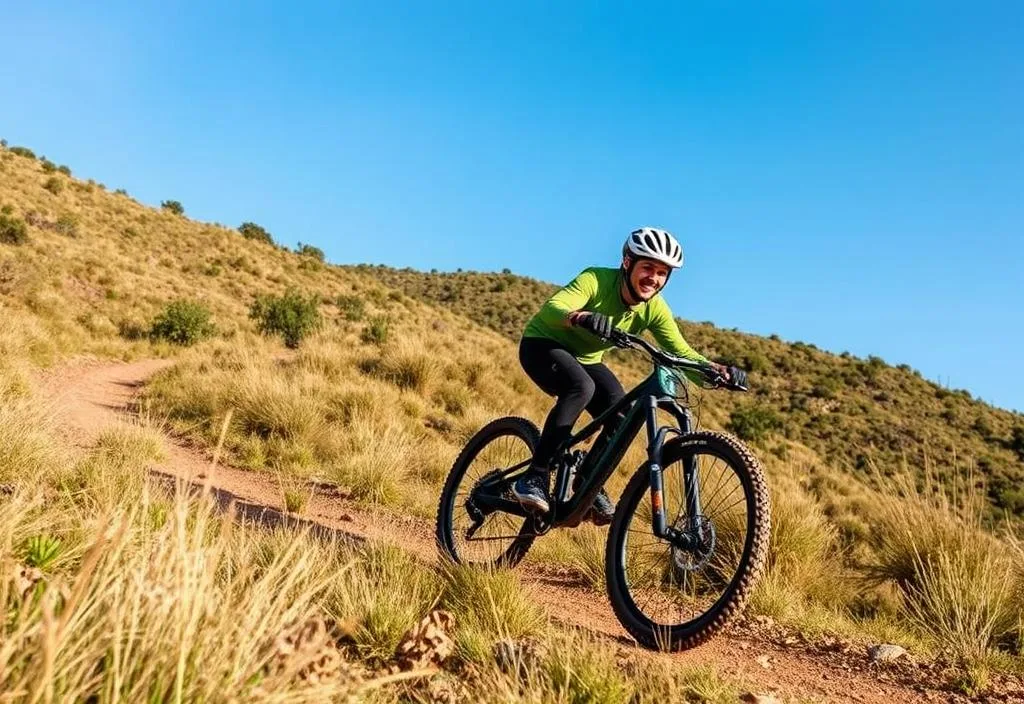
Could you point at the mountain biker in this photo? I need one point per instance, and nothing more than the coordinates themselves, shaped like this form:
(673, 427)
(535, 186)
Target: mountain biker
(562, 347)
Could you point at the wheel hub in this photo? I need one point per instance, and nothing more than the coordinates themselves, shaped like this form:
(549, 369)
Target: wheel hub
(701, 538)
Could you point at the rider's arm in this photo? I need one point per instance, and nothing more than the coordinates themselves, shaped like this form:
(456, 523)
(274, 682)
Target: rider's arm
(574, 296)
(666, 332)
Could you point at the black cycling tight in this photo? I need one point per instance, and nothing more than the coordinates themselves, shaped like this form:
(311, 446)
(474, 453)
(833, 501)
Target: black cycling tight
(577, 386)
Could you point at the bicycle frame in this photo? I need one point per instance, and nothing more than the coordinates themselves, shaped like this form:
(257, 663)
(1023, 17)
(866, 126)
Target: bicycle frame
(637, 408)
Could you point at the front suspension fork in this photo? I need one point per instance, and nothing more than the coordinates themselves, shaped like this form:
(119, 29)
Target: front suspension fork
(656, 436)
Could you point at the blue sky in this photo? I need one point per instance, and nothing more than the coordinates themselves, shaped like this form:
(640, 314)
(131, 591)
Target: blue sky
(847, 174)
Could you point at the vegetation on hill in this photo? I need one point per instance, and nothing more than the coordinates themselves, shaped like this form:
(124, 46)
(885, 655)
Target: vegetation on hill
(875, 533)
(860, 415)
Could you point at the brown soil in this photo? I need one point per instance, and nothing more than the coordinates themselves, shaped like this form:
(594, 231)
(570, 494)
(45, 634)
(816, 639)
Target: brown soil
(89, 395)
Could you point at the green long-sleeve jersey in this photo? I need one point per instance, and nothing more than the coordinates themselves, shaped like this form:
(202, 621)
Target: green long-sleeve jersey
(597, 290)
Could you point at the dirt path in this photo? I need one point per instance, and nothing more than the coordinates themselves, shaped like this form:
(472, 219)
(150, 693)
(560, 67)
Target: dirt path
(91, 395)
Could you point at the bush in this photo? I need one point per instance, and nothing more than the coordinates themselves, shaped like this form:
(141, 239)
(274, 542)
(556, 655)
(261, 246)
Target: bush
(308, 250)
(351, 307)
(53, 185)
(48, 166)
(755, 361)
(13, 230)
(292, 315)
(23, 151)
(826, 387)
(173, 206)
(252, 231)
(1017, 441)
(754, 422)
(67, 224)
(376, 332)
(64, 169)
(183, 322)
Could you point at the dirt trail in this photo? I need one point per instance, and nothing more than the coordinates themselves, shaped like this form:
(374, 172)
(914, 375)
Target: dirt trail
(91, 395)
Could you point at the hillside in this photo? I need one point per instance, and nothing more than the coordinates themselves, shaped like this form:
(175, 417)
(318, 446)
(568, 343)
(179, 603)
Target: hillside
(861, 415)
(371, 406)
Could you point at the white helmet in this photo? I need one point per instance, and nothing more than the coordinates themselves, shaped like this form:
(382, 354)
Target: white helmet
(652, 243)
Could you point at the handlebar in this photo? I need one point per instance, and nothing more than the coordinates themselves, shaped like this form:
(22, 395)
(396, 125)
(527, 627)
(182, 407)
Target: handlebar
(660, 356)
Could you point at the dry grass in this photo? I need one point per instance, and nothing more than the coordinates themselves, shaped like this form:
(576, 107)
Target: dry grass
(958, 580)
(385, 415)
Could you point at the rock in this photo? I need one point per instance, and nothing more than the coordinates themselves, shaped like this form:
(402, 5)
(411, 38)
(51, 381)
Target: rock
(306, 652)
(886, 653)
(752, 698)
(427, 644)
(764, 661)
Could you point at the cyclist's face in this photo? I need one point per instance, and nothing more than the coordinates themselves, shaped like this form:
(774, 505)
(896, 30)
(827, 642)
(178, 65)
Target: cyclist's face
(649, 277)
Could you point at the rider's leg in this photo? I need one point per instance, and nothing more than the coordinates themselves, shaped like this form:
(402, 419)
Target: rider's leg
(607, 392)
(556, 371)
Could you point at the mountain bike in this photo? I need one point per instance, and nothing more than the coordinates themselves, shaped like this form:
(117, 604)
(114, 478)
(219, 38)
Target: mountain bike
(690, 532)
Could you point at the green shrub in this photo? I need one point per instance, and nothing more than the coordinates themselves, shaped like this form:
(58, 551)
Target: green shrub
(173, 206)
(308, 250)
(23, 151)
(48, 166)
(67, 224)
(755, 361)
(376, 331)
(754, 422)
(826, 387)
(13, 230)
(1012, 499)
(53, 185)
(252, 231)
(292, 315)
(1017, 441)
(352, 307)
(183, 322)
(64, 169)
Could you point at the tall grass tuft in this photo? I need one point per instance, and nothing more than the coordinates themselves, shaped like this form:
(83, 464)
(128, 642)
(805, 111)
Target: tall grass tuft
(489, 605)
(957, 578)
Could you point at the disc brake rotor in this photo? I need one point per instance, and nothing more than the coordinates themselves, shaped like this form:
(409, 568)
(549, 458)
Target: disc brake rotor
(702, 530)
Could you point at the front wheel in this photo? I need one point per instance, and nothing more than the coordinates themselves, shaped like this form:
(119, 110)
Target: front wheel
(673, 597)
(467, 534)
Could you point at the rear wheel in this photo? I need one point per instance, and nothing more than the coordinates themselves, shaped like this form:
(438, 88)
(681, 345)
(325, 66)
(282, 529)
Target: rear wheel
(674, 596)
(465, 533)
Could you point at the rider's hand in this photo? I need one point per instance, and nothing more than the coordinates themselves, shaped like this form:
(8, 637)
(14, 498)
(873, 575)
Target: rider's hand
(734, 375)
(597, 323)
(737, 376)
